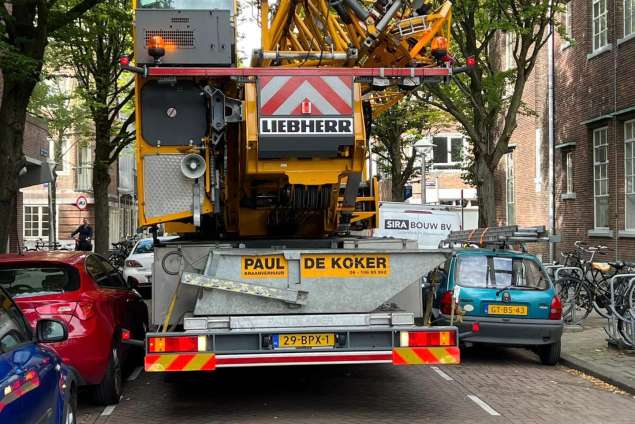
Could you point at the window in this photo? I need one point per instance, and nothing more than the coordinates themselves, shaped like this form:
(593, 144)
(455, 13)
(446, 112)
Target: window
(510, 194)
(629, 172)
(510, 45)
(36, 221)
(600, 28)
(629, 17)
(33, 280)
(13, 329)
(568, 166)
(600, 177)
(498, 272)
(566, 23)
(103, 273)
(448, 151)
(84, 169)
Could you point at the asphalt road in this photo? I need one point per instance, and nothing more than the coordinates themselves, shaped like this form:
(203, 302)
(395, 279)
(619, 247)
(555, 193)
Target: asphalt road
(498, 385)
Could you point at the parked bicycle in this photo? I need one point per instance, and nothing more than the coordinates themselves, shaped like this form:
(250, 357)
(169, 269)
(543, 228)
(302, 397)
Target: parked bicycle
(41, 245)
(584, 284)
(121, 250)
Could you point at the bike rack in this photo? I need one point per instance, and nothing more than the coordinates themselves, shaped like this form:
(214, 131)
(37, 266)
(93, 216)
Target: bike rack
(611, 328)
(556, 276)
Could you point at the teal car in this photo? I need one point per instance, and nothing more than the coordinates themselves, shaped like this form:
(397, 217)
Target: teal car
(499, 297)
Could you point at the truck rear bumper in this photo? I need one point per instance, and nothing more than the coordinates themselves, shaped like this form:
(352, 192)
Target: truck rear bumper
(180, 362)
(208, 350)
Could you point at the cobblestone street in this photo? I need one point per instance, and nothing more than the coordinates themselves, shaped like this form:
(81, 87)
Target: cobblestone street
(498, 385)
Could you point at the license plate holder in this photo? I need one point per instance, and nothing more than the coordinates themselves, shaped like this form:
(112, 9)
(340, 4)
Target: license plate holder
(513, 310)
(303, 340)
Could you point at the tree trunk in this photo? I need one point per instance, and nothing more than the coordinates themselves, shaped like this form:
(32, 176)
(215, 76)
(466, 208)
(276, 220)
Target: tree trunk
(396, 183)
(101, 182)
(396, 190)
(15, 98)
(486, 193)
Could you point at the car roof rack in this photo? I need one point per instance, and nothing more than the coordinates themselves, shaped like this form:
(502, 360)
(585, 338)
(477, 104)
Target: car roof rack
(498, 237)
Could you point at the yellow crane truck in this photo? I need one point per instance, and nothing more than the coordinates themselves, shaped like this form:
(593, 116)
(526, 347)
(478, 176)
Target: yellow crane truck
(261, 171)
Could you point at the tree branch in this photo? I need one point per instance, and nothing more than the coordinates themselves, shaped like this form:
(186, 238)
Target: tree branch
(59, 19)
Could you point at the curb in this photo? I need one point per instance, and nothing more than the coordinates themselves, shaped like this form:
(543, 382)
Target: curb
(588, 368)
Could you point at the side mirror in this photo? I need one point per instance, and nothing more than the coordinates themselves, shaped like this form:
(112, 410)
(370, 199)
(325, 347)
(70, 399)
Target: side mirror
(50, 331)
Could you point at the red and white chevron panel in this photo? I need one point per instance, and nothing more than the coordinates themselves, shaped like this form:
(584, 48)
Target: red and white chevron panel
(327, 95)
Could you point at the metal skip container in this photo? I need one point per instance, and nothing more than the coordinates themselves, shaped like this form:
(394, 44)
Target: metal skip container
(235, 281)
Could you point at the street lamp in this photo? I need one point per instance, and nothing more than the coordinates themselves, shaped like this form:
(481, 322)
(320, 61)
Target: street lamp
(425, 148)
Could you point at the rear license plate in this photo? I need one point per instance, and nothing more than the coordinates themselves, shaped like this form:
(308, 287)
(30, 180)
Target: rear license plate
(507, 309)
(303, 340)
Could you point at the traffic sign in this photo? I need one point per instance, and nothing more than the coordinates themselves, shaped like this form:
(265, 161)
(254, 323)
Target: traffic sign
(81, 203)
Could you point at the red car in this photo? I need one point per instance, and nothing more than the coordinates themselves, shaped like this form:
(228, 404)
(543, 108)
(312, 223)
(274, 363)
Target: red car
(86, 292)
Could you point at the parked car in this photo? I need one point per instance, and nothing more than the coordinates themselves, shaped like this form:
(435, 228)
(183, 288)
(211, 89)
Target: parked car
(137, 267)
(506, 296)
(35, 386)
(90, 296)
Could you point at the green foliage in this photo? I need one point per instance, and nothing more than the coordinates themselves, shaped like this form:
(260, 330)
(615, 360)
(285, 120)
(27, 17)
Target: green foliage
(91, 47)
(396, 131)
(506, 38)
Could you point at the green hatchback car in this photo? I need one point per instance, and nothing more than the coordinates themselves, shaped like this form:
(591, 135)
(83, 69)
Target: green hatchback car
(499, 297)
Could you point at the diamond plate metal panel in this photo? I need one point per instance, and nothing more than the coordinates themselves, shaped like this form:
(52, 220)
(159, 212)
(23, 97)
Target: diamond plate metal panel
(166, 190)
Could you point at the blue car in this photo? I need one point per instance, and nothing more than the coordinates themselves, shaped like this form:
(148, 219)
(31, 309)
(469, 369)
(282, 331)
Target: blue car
(501, 297)
(35, 386)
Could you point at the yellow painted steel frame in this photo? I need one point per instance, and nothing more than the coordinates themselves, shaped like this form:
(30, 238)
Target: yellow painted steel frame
(143, 148)
(298, 171)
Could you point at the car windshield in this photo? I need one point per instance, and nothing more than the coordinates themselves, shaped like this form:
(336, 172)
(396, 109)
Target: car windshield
(500, 272)
(37, 280)
(144, 246)
(187, 4)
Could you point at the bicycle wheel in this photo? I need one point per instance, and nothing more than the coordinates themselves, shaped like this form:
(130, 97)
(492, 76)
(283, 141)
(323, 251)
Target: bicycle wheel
(576, 297)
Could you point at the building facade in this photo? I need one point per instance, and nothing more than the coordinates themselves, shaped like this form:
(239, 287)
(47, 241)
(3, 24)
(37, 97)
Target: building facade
(593, 153)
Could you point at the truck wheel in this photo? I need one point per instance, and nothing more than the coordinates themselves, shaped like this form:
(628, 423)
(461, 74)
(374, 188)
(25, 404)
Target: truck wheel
(550, 354)
(109, 390)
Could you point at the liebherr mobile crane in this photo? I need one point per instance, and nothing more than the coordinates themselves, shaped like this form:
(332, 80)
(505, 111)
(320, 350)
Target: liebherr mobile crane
(261, 170)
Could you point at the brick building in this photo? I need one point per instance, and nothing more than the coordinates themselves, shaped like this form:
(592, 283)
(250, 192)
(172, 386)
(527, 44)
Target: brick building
(593, 134)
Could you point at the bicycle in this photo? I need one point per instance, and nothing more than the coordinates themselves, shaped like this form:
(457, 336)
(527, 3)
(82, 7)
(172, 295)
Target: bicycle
(590, 290)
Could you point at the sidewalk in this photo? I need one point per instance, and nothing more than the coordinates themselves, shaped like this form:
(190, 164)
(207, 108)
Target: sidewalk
(589, 352)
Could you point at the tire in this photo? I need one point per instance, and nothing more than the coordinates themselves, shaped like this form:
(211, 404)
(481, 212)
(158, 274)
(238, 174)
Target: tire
(108, 392)
(70, 409)
(550, 354)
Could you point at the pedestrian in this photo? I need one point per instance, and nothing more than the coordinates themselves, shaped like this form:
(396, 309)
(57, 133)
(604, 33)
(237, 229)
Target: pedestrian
(85, 233)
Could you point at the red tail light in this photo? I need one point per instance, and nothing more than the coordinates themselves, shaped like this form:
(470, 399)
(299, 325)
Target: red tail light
(428, 338)
(555, 312)
(446, 303)
(125, 334)
(173, 344)
(131, 263)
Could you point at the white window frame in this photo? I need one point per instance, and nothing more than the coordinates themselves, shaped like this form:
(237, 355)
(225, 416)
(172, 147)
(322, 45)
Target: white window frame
(599, 24)
(510, 189)
(629, 174)
(568, 166)
(629, 18)
(568, 28)
(450, 163)
(40, 227)
(602, 180)
(83, 168)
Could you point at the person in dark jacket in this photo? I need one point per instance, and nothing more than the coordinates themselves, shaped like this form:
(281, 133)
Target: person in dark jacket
(85, 233)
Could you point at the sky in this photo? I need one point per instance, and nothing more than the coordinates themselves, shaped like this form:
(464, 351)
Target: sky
(248, 33)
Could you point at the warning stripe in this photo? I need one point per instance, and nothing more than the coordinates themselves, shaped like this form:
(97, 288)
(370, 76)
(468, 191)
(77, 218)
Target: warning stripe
(426, 355)
(283, 95)
(180, 362)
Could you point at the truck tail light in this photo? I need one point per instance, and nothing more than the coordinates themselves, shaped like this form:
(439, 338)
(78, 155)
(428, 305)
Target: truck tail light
(177, 344)
(555, 311)
(428, 338)
(445, 305)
